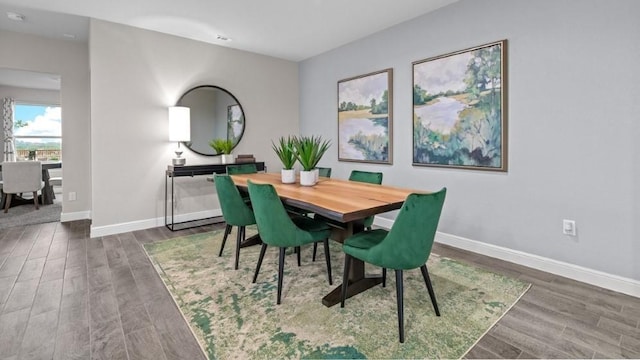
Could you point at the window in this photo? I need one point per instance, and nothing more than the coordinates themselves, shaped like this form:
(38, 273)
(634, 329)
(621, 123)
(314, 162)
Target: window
(37, 130)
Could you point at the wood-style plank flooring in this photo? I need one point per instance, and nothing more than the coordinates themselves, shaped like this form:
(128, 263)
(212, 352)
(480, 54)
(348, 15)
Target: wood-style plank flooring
(66, 296)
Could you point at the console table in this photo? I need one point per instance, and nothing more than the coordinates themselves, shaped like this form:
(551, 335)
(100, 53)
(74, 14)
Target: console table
(173, 172)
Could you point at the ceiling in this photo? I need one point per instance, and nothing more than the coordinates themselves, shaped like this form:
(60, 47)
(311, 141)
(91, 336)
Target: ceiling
(289, 29)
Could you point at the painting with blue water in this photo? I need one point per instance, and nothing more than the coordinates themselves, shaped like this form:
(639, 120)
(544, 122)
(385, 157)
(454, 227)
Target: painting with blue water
(365, 117)
(458, 109)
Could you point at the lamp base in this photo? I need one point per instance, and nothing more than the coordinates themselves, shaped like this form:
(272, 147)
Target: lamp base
(179, 161)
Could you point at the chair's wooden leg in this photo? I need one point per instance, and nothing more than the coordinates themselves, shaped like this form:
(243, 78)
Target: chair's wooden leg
(280, 273)
(263, 249)
(7, 203)
(315, 249)
(227, 231)
(427, 281)
(345, 279)
(35, 200)
(399, 294)
(384, 277)
(327, 258)
(297, 250)
(239, 238)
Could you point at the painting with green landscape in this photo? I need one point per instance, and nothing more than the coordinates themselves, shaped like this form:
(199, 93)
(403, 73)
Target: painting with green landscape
(458, 109)
(365, 117)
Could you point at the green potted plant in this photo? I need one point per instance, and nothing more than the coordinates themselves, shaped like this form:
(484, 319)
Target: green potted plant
(309, 151)
(285, 149)
(223, 148)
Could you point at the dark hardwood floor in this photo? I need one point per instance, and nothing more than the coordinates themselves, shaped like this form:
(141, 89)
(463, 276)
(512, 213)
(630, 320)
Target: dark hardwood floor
(66, 296)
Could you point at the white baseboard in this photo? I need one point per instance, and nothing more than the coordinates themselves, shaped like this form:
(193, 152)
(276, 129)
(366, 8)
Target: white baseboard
(80, 215)
(97, 231)
(590, 276)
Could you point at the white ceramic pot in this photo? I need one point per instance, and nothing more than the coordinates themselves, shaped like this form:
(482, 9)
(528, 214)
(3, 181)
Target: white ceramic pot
(288, 176)
(316, 171)
(226, 158)
(307, 178)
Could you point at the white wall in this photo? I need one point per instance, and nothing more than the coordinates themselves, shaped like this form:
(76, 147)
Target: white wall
(572, 95)
(70, 60)
(135, 75)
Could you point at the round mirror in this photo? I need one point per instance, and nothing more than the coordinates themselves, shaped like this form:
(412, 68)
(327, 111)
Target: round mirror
(215, 114)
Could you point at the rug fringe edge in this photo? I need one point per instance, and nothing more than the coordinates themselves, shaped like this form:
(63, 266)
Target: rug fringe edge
(495, 322)
(195, 336)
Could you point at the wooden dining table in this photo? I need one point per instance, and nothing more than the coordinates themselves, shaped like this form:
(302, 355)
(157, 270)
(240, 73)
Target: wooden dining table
(345, 202)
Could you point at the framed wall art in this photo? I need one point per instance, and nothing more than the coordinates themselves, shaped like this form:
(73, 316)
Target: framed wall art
(235, 123)
(365, 112)
(459, 109)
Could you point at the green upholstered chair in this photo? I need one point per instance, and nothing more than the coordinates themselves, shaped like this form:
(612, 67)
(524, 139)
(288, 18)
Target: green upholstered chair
(366, 177)
(276, 228)
(360, 176)
(324, 171)
(406, 246)
(242, 169)
(235, 211)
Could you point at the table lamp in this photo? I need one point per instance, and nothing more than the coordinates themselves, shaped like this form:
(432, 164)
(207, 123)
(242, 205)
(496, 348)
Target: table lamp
(179, 130)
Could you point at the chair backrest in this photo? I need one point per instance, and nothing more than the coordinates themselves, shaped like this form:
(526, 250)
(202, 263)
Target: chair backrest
(242, 169)
(366, 177)
(324, 171)
(21, 176)
(234, 210)
(274, 224)
(408, 244)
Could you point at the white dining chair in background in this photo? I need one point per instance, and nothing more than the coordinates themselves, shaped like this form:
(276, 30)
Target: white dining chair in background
(21, 177)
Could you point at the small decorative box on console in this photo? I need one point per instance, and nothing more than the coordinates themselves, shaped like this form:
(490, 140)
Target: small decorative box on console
(245, 158)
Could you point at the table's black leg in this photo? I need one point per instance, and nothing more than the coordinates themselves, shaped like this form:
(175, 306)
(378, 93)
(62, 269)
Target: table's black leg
(253, 240)
(47, 196)
(358, 282)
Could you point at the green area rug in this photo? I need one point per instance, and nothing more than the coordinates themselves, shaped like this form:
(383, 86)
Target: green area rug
(234, 318)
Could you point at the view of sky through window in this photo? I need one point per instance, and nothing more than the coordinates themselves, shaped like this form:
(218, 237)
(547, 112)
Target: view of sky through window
(37, 120)
(37, 128)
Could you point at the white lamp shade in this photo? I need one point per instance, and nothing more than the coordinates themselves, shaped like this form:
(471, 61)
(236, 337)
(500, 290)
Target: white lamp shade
(179, 123)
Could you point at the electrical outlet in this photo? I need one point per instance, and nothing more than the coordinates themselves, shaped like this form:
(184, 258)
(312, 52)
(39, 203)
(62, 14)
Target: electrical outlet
(569, 227)
(72, 196)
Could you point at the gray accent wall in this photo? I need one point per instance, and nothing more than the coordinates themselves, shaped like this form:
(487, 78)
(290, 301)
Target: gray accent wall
(573, 90)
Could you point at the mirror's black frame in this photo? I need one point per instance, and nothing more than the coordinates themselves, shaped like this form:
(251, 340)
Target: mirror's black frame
(188, 144)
